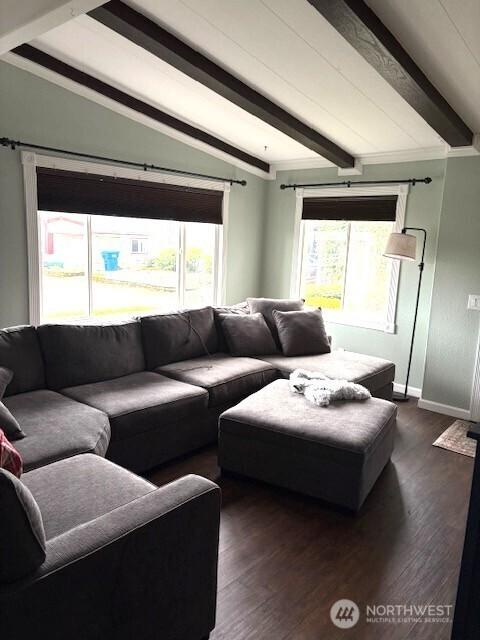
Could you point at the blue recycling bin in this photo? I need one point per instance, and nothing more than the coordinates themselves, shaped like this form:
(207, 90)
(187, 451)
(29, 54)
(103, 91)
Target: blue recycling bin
(110, 260)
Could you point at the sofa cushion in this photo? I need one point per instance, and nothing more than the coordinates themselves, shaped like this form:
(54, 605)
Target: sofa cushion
(247, 335)
(178, 336)
(369, 371)
(266, 307)
(74, 491)
(79, 354)
(20, 352)
(226, 378)
(141, 401)
(22, 536)
(56, 427)
(7, 422)
(301, 332)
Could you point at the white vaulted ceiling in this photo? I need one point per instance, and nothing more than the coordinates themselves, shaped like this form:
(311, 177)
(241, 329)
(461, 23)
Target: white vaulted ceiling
(287, 51)
(443, 37)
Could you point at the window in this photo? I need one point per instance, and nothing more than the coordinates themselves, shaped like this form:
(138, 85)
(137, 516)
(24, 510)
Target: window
(340, 265)
(138, 245)
(95, 266)
(109, 243)
(343, 270)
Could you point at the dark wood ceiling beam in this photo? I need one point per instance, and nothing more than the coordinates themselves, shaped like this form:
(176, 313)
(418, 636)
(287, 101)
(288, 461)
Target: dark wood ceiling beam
(71, 73)
(150, 36)
(360, 26)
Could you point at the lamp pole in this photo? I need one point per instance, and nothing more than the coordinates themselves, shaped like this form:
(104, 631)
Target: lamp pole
(404, 397)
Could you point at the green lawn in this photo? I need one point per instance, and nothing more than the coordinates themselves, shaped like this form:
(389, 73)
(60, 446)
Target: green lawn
(325, 296)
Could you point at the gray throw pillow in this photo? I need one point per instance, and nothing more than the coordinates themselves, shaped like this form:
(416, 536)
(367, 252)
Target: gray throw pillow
(266, 307)
(22, 536)
(237, 309)
(301, 333)
(247, 335)
(8, 423)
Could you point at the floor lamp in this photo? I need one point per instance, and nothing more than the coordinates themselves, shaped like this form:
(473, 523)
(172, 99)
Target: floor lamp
(403, 246)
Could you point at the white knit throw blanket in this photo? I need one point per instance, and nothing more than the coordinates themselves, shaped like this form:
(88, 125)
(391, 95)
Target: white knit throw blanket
(321, 390)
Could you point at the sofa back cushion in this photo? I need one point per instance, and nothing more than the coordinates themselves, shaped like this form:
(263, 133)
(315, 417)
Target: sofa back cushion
(80, 354)
(240, 309)
(20, 352)
(22, 536)
(179, 336)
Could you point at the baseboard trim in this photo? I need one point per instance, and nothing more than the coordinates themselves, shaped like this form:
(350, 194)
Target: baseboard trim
(414, 392)
(446, 409)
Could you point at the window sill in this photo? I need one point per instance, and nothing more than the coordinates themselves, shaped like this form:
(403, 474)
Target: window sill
(384, 327)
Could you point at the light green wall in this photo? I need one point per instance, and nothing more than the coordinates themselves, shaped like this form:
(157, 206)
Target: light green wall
(453, 335)
(38, 111)
(260, 232)
(423, 210)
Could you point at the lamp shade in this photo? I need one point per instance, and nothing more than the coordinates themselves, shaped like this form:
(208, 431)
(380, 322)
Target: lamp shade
(402, 246)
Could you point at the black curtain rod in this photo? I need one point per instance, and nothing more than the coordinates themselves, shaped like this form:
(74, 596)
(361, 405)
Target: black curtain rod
(349, 183)
(13, 144)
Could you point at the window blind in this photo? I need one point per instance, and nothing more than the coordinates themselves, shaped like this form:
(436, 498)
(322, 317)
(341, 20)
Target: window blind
(373, 208)
(74, 192)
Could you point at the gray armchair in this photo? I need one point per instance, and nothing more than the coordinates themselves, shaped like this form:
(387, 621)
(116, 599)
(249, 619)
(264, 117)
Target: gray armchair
(123, 558)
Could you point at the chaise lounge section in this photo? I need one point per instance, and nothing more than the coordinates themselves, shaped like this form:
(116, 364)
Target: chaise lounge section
(376, 374)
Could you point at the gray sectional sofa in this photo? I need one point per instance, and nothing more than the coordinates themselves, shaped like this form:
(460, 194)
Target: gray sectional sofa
(142, 393)
(120, 557)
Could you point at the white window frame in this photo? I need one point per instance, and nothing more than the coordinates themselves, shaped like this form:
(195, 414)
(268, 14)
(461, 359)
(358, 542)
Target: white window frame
(30, 161)
(401, 191)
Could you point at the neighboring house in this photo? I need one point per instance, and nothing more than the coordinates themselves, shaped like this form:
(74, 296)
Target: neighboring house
(64, 240)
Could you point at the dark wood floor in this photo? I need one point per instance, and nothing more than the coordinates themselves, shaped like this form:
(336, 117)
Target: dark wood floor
(285, 559)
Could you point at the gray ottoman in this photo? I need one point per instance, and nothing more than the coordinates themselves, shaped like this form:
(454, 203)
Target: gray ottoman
(335, 453)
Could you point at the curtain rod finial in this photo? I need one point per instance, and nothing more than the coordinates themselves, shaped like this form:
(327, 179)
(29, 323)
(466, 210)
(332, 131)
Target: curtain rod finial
(428, 180)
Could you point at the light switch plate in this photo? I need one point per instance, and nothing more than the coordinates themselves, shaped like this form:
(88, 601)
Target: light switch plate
(474, 301)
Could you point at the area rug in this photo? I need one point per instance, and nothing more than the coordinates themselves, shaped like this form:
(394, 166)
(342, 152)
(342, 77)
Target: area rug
(455, 439)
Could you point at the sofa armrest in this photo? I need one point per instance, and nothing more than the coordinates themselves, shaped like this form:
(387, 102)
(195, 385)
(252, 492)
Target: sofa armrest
(147, 569)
